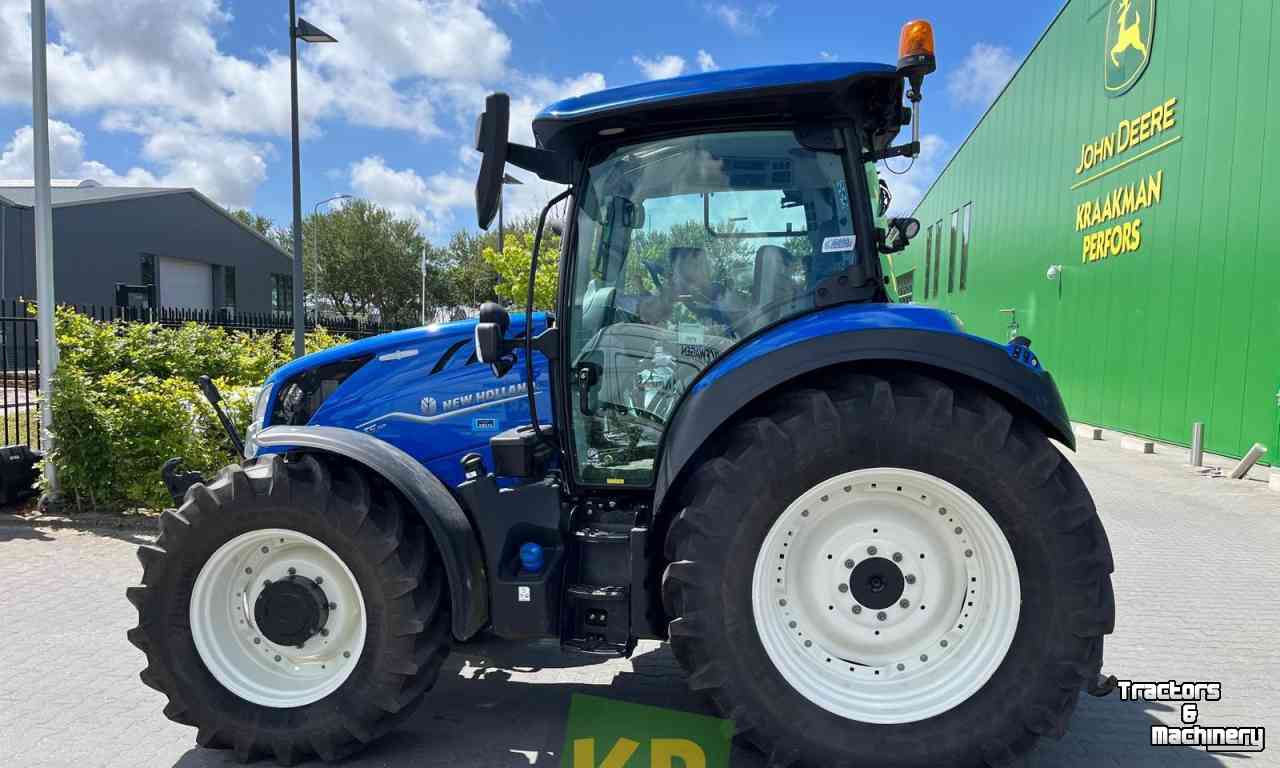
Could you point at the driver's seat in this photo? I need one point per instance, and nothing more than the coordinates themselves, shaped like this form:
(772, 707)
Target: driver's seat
(772, 287)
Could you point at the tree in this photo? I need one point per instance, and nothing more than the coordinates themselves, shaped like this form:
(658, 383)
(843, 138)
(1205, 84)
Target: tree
(512, 267)
(260, 224)
(360, 258)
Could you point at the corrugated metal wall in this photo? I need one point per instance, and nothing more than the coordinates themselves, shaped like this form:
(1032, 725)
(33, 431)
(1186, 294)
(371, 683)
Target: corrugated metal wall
(1186, 327)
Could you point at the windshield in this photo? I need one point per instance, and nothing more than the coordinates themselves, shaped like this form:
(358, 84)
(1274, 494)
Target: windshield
(684, 247)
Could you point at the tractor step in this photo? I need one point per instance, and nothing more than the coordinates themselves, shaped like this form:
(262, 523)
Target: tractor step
(602, 606)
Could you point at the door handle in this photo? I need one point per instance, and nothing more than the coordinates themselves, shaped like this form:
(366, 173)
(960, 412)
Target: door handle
(587, 377)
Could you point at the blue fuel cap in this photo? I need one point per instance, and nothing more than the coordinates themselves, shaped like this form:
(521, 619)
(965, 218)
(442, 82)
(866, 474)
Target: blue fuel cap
(531, 559)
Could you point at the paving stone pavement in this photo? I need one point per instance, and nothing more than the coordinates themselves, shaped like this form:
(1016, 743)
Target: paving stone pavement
(1197, 591)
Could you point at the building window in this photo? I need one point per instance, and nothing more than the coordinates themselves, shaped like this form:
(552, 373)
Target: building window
(951, 251)
(928, 256)
(964, 244)
(229, 287)
(937, 256)
(281, 293)
(905, 284)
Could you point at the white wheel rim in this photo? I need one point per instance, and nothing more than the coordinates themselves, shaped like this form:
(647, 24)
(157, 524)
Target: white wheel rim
(963, 596)
(230, 644)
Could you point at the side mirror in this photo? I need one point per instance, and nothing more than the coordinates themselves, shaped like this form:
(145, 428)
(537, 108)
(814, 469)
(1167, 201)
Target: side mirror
(490, 339)
(491, 141)
(900, 233)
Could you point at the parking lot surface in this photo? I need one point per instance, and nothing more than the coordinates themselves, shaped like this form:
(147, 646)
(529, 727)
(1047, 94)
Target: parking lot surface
(1197, 596)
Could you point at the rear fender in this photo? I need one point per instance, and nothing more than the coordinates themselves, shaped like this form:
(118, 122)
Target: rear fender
(883, 334)
(453, 534)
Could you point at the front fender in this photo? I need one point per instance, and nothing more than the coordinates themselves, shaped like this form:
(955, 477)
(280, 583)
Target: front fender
(453, 534)
(848, 334)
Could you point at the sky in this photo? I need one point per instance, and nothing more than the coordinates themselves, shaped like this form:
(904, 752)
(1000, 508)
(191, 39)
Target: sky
(196, 92)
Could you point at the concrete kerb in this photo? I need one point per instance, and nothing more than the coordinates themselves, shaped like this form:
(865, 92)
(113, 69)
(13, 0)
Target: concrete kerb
(1214, 464)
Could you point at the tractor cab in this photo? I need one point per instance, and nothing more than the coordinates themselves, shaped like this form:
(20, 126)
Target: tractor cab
(702, 211)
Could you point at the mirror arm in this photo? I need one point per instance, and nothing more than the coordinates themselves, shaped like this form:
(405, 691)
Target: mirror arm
(528, 319)
(552, 166)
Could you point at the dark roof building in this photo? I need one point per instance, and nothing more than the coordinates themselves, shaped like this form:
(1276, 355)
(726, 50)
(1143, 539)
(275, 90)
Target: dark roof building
(142, 246)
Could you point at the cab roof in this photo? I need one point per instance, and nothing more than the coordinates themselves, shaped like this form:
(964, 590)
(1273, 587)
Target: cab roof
(752, 92)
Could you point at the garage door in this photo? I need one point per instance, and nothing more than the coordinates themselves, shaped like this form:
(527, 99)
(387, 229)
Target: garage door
(186, 284)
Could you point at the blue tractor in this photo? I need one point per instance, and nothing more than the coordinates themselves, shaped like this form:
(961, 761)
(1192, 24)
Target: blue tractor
(846, 515)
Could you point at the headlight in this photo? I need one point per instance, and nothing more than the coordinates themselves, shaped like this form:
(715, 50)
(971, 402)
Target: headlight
(259, 418)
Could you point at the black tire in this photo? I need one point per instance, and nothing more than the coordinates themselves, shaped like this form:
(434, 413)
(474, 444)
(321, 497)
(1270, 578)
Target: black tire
(955, 431)
(385, 546)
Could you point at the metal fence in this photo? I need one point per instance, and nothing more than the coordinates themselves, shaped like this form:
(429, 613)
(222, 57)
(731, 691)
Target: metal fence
(20, 365)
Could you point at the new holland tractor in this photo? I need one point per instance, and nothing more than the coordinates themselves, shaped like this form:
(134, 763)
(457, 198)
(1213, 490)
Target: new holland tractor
(845, 515)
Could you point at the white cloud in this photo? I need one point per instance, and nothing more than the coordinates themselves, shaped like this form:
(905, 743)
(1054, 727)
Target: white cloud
(740, 20)
(827, 56)
(706, 62)
(661, 66)
(227, 170)
(981, 76)
(66, 158)
(429, 201)
(908, 188)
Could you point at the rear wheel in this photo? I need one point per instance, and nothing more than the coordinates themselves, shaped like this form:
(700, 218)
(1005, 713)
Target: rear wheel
(889, 570)
(291, 609)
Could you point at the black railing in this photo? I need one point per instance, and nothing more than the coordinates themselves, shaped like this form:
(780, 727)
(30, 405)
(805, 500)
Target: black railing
(19, 360)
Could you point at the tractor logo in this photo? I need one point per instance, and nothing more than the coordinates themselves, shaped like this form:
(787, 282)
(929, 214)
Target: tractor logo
(429, 406)
(1130, 26)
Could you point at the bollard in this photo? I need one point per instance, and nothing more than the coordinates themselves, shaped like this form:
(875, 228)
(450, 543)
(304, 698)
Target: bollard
(1197, 444)
(1250, 458)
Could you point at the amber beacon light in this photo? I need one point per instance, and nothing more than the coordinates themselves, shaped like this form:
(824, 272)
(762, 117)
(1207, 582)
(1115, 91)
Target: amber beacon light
(915, 50)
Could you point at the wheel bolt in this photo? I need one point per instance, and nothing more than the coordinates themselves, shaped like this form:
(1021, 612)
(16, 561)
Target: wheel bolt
(346, 654)
(904, 603)
(293, 571)
(871, 550)
(897, 557)
(319, 580)
(843, 587)
(848, 564)
(257, 641)
(924, 657)
(333, 606)
(324, 633)
(248, 570)
(265, 550)
(882, 616)
(911, 578)
(943, 643)
(808, 643)
(857, 609)
(901, 667)
(277, 658)
(968, 553)
(783, 602)
(942, 510)
(791, 624)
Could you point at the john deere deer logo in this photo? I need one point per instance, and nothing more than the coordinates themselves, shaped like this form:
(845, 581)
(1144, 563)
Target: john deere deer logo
(1130, 25)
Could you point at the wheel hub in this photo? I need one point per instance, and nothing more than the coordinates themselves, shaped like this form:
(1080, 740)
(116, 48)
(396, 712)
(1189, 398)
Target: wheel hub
(278, 618)
(877, 583)
(291, 611)
(886, 595)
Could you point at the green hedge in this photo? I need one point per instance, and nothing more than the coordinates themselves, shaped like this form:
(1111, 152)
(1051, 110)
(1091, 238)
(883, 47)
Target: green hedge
(125, 401)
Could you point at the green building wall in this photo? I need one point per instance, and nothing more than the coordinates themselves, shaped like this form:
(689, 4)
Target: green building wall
(1185, 326)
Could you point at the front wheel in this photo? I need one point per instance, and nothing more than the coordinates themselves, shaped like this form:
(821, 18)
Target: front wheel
(889, 570)
(291, 608)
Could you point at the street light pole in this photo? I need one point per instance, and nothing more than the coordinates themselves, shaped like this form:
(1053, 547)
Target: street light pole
(315, 215)
(299, 29)
(45, 338)
(507, 179)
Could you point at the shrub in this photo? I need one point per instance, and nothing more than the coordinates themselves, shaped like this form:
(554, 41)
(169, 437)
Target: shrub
(125, 401)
